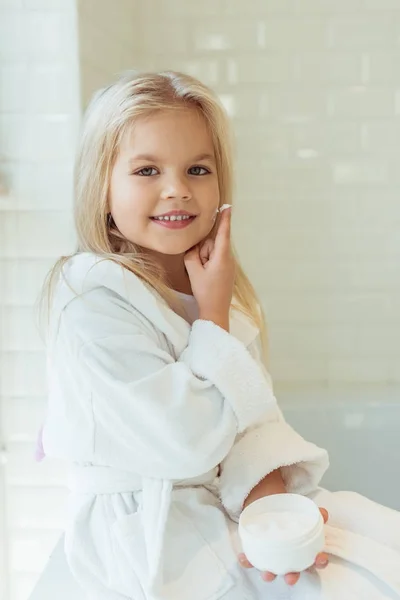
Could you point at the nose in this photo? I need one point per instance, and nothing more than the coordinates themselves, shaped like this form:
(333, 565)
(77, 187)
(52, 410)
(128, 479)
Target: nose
(176, 187)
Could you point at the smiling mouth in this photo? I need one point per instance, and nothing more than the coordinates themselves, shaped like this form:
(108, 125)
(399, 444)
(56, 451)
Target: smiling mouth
(174, 221)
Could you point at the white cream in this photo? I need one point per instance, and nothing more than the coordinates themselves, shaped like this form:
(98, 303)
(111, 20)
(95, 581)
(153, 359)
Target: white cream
(221, 210)
(224, 207)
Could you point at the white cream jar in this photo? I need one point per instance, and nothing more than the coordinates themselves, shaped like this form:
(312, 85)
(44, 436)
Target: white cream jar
(282, 533)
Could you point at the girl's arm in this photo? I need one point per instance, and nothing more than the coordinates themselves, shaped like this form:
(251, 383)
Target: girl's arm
(270, 457)
(271, 484)
(151, 414)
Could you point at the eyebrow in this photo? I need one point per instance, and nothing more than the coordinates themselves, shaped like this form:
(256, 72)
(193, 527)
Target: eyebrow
(151, 158)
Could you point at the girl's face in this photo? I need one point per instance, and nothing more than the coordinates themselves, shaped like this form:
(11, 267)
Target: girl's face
(166, 168)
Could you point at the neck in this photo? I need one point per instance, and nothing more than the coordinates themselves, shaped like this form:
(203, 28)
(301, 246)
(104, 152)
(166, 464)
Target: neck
(175, 272)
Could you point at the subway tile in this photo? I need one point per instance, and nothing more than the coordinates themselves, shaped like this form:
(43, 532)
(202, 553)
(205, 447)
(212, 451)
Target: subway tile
(209, 71)
(243, 102)
(34, 186)
(362, 31)
(360, 172)
(176, 9)
(49, 5)
(19, 330)
(294, 33)
(381, 5)
(38, 234)
(384, 67)
(300, 340)
(372, 275)
(355, 370)
(12, 83)
(14, 4)
(261, 69)
(327, 138)
(14, 130)
(22, 373)
(23, 280)
(352, 309)
(381, 137)
(359, 102)
(12, 35)
(301, 308)
(298, 370)
(36, 508)
(50, 36)
(295, 104)
(329, 67)
(23, 470)
(22, 418)
(224, 36)
(159, 39)
(328, 6)
(394, 371)
(255, 8)
(267, 140)
(38, 138)
(52, 137)
(53, 89)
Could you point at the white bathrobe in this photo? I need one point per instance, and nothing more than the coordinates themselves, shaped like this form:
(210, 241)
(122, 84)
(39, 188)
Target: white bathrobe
(167, 427)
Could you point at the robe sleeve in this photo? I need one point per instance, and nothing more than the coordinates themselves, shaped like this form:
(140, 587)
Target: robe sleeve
(153, 414)
(265, 447)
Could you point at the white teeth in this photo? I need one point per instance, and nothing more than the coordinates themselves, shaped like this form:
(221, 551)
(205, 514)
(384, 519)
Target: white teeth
(173, 218)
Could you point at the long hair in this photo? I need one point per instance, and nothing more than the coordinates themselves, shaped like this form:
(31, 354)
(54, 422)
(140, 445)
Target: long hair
(110, 115)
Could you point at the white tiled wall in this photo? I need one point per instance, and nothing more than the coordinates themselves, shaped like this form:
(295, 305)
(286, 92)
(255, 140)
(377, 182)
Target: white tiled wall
(313, 90)
(108, 41)
(313, 87)
(39, 116)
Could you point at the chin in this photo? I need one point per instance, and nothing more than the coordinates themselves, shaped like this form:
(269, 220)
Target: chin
(172, 251)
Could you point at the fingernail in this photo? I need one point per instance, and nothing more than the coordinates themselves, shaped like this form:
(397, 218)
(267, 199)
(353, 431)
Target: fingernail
(322, 563)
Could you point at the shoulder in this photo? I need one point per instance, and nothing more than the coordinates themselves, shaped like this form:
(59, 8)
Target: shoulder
(103, 279)
(95, 292)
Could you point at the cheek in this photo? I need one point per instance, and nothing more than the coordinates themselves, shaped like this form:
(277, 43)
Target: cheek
(127, 198)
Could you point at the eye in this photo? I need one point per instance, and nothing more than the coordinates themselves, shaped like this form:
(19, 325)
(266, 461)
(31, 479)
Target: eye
(197, 168)
(146, 172)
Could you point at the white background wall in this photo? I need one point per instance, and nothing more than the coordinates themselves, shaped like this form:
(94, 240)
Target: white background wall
(313, 87)
(39, 117)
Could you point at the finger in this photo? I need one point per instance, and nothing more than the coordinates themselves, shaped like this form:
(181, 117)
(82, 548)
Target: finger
(223, 237)
(205, 251)
(292, 578)
(244, 562)
(322, 560)
(192, 261)
(267, 576)
(324, 514)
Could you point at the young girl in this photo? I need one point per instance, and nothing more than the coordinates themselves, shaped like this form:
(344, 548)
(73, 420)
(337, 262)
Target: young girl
(158, 394)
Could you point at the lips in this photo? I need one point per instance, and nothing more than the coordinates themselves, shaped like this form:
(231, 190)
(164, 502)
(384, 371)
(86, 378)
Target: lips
(174, 220)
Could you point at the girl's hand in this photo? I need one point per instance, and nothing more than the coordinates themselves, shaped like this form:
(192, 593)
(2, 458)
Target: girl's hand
(211, 270)
(291, 578)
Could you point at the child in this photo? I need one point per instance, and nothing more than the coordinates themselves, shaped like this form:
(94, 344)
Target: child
(158, 396)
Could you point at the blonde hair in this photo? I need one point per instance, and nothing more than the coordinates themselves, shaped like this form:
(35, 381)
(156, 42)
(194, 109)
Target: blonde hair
(109, 116)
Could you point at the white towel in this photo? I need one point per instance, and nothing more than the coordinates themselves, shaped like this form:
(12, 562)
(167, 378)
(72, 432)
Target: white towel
(363, 539)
